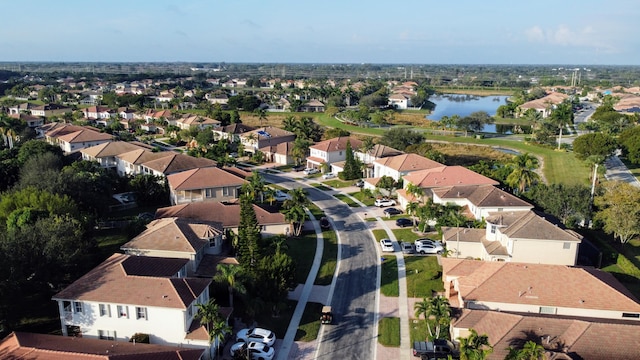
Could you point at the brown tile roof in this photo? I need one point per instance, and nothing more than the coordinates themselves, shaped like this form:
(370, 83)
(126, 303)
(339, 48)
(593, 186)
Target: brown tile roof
(175, 162)
(451, 234)
(141, 156)
(588, 339)
(545, 102)
(447, 176)
(203, 178)
(110, 148)
(175, 235)
(531, 224)
(237, 129)
(539, 284)
(273, 132)
(85, 136)
(337, 144)
(194, 120)
(381, 151)
(109, 283)
(481, 196)
(227, 214)
(408, 162)
(21, 345)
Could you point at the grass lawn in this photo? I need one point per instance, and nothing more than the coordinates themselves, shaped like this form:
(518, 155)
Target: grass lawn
(329, 259)
(302, 249)
(379, 234)
(389, 285)
(337, 183)
(315, 211)
(310, 322)
(418, 329)
(406, 234)
(424, 276)
(321, 187)
(389, 331)
(347, 200)
(278, 324)
(367, 200)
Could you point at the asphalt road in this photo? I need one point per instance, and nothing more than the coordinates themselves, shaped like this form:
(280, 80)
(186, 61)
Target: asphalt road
(351, 336)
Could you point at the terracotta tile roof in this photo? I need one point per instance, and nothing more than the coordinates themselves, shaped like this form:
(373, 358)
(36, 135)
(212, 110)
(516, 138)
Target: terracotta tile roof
(203, 178)
(85, 136)
(581, 338)
(337, 144)
(141, 156)
(197, 120)
(175, 235)
(110, 148)
(237, 129)
(381, 151)
(175, 162)
(447, 176)
(227, 214)
(481, 196)
(208, 266)
(451, 234)
(531, 224)
(539, 284)
(273, 132)
(109, 283)
(545, 102)
(20, 345)
(408, 162)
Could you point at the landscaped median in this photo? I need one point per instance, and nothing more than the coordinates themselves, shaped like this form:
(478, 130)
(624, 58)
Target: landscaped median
(310, 322)
(389, 331)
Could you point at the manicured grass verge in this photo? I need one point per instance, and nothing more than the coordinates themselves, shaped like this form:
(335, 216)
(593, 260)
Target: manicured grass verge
(310, 322)
(329, 259)
(277, 324)
(337, 183)
(389, 285)
(321, 187)
(347, 200)
(302, 250)
(418, 329)
(389, 331)
(367, 200)
(379, 234)
(406, 234)
(424, 276)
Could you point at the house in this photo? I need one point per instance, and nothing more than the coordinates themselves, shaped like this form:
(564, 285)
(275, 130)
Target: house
(203, 184)
(231, 132)
(562, 337)
(72, 138)
(130, 163)
(31, 121)
(378, 151)
(106, 153)
(48, 110)
(126, 294)
(194, 121)
(22, 108)
(221, 99)
(399, 166)
(331, 151)
(178, 238)
(519, 236)
(22, 345)
(399, 101)
(543, 105)
(312, 106)
(270, 220)
(98, 113)
(126, 113)
(265, 136)
(479, 200)
(280, 154)
(557, 290)
(173, 163)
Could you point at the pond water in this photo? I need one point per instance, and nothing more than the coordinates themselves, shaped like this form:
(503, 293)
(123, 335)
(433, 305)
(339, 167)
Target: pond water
(463, 105)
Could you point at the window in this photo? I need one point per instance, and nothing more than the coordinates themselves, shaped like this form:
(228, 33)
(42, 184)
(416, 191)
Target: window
(566, 245)
(226, 191)
(547, 310)
(77, 307)
(123, 311)
(106, 335)
(493, 229)
(210, 193)
(141, 313)
(105, 310)
(631, 315)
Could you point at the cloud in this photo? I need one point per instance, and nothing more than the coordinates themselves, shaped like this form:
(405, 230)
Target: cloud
(535, 34)
(562, 35)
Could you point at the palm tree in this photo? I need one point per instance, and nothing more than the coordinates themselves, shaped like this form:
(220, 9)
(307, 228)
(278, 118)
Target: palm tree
(261, 114)
(532, 351)
(413, 209)
(256, 186)
(208, 313)
(219, 330)
(295, 210)
(436, 308)
(523, 174)
(416, 191)
(474, 346)
(230, 275)
(300, 149)
(423, 308)
(561, 116)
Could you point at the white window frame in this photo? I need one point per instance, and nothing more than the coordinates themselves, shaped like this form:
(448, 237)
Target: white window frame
(107, 334)
(141, 313)
(105, 310)
(566, 245)
(210, 193)
(123, 311)
(78, 307)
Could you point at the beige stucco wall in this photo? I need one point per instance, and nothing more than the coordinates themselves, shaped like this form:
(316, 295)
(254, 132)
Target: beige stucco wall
(544, 252)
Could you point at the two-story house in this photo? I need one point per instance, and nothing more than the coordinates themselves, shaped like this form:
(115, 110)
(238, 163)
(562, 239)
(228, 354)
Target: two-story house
(127, 294)
(195, 121)
(72, 138)
(173, 163)
(200, 184)
(265, 136)
(479, 200)
(231, 132)
(48, 110)
(331, 151)
(98, 113)
(106, 153)
(368, 156)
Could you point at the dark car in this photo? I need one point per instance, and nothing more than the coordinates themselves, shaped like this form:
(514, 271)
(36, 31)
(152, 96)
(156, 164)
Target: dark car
(392, 211)
(404, 222)
(299, 167)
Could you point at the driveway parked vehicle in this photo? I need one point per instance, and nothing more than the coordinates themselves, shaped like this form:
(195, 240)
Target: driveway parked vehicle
(328, 176)
(407, 247)
(392, 211)
(428, 247)
(359, 183)
(261, 335)
(404, 222)
(435, 349)
(386, 245)
(280, 195)
(311, 171)
(257, 350)
(384, 202)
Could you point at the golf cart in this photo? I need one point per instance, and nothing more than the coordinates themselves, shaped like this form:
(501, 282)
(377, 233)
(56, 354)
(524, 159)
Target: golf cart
(327, 315)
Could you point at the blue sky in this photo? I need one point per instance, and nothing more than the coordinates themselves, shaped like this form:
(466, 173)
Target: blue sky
(591, 32)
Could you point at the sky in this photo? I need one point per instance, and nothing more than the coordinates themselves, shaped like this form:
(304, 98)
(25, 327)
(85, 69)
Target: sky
(564, 32)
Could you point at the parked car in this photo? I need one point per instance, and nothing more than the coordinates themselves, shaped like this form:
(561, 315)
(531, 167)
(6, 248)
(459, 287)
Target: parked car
(407, 247)
(384, 202)
(298, 167)
(404, 222)
(311, 171)
(280, 195)
(386, 245)
(261, 335)
(257, 350)
(359, 183)
(392, 211)
(328, 176)
(428, 247)
(435, 349)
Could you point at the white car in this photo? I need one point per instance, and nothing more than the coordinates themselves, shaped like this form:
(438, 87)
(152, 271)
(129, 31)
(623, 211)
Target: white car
(280, 195)
(261, 335)
(429, 247)
(384, 202)
(386, 245)
(311, 171)
(328, 176)
(258, 350)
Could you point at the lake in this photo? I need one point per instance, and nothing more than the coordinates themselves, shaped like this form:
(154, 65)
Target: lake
(463, 105)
